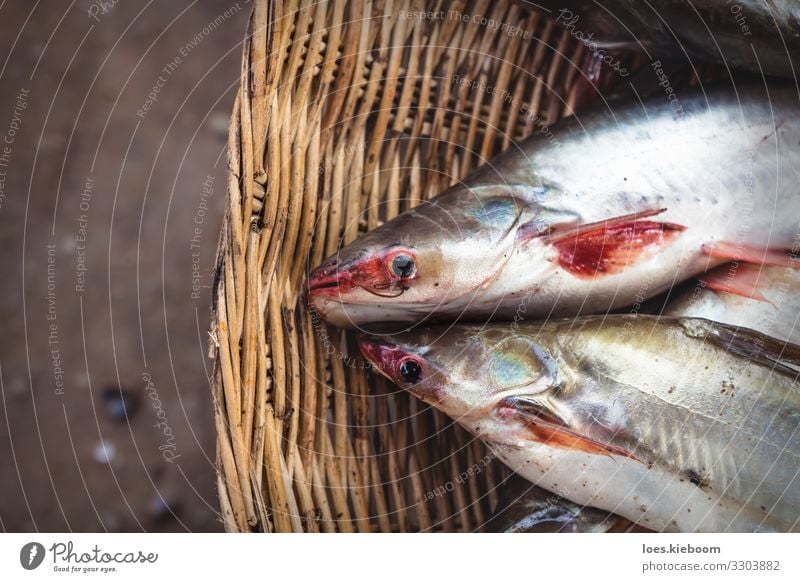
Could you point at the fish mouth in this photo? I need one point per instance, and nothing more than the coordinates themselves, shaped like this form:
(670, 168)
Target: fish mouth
(327, 280)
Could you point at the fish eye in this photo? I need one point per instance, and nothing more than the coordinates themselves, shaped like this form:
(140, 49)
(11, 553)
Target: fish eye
(410, 370)
(403, 266)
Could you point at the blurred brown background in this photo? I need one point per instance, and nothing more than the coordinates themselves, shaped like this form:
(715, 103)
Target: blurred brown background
(113, 120)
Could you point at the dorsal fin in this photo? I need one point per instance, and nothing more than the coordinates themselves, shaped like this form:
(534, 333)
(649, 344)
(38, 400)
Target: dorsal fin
(746, 342)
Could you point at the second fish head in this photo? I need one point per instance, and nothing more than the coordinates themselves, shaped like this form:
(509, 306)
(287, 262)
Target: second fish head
(476, 376)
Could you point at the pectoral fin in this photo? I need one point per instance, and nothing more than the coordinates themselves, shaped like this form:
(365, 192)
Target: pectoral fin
(612, 245)
(560, 436)
(542, 425)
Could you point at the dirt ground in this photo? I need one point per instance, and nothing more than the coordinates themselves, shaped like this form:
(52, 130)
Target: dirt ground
(113, 120)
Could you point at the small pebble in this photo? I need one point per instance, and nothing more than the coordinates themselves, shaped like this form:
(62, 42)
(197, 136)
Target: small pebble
(119, 404)
(218, 123)
(111, 522)
(163, 509)
(104, 452)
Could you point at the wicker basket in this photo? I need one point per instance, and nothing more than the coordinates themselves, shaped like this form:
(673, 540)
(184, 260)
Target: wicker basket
(349, 113)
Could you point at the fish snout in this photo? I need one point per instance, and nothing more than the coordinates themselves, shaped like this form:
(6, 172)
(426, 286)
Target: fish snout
(402, 366)
(385, 357)
(375, 350)
(329, 278)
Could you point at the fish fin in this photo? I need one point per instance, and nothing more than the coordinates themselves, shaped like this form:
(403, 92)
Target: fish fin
(545, 426)
(609, 246)
(758, 256)
(574, 229)
(560, 436)
(567, 225)
(597, 74)
(745, 342)
(741, 281)
(532, 230)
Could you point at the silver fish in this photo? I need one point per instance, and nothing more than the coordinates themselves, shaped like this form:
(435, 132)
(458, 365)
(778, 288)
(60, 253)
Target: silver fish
(525, 508)
(754, 35)
(675, 424)
(619, 206)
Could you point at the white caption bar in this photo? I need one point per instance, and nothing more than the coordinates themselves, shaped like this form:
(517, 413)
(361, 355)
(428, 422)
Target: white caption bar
(334, 557)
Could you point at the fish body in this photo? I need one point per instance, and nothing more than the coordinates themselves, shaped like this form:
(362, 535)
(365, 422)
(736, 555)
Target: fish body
(622, 205)
(775, 312)
(752, 35)
(525, 508)
(676, 424)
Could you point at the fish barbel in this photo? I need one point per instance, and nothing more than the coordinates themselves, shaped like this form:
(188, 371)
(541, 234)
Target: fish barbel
(677, 424)
(617, 207)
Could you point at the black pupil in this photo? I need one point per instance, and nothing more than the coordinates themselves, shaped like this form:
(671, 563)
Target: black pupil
(410, 371)
(403, 266)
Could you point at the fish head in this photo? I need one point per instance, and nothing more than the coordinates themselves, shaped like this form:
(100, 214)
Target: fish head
(432, 258)
(472, 374)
